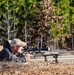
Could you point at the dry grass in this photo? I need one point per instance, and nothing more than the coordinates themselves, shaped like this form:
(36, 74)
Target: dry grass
(64, 67)
(1, 47)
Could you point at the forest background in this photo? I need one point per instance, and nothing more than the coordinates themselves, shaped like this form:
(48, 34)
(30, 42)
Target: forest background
(31, 20)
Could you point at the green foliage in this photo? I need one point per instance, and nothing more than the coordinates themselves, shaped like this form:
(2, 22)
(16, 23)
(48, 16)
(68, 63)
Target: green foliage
(31, 11)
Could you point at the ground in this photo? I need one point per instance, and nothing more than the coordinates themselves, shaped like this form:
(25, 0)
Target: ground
(1, 47)
(64, 67)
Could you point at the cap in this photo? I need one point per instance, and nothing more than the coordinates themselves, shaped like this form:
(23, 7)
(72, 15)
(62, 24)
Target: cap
(18, 42)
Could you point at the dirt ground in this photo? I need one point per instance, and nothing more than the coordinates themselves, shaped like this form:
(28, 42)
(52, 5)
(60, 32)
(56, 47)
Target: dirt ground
(1, 47)
(64, 67)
